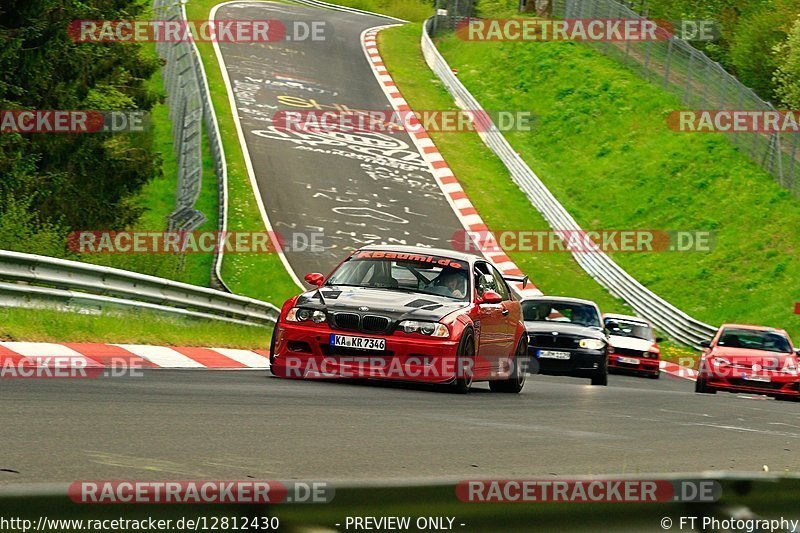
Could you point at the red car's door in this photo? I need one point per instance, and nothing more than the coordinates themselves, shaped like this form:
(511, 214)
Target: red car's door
(511, 316)
(494, 321)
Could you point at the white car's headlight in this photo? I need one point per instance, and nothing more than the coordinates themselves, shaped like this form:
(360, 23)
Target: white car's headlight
(591, 344)
(432, 329)
(300, 314)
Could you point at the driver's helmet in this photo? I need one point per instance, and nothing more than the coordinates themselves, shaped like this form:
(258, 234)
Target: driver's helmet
(454, 277)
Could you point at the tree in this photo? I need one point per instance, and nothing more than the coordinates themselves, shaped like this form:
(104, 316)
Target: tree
(787, 75)
(72, 181)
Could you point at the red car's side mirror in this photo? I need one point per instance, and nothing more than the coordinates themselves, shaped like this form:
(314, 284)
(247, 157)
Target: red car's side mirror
(314, 279)
(491, 297)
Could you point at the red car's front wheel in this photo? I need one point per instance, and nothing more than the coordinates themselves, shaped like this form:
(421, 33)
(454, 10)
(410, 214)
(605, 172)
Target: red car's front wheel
(701, 385)
(465, 360)
(519, 370)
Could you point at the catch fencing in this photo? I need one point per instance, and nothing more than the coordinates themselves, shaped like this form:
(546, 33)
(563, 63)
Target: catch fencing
(191, 108)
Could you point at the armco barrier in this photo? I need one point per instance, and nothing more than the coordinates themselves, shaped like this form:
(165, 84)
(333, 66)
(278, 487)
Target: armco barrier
(32, 280)
(668, 318)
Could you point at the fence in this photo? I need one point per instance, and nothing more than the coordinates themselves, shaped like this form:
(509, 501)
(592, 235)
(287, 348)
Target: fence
(668, 318)
(699, 82)
(36, 281)
(189, 100)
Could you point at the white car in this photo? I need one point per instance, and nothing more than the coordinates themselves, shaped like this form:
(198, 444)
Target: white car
(633, 345)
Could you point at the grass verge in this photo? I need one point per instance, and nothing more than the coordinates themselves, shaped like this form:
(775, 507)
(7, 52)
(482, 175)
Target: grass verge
(41, 325)
(261, 276)
(411, 10)
(487, 181)
(603, 147)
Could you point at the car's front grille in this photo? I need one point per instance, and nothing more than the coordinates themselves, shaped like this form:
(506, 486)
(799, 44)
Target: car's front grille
(553, 341)
(354, 322)
(374, 323)
(630, 352)
(346, 321)
(737, 382)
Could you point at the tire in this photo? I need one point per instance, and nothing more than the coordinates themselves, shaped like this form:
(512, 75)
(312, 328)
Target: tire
(656, 375)
(272, 349)
(600, 378)
(701, 387)
(466, 352)
(515, 382)
(788, 398)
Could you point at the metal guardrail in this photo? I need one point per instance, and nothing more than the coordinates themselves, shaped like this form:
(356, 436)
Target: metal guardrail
(50, 282)
(189, 99)
(665, 316)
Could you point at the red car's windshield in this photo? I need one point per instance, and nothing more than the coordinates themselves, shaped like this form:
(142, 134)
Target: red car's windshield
(769, 341)
(411, 272)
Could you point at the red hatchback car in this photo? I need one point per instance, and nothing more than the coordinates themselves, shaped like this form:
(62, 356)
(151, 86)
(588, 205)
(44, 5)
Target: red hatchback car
(405, 313)
(752, 359)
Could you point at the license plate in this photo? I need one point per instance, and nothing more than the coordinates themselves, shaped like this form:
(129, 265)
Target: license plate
(761, 379)
(628, 360)
(548, 354)
(361, 343)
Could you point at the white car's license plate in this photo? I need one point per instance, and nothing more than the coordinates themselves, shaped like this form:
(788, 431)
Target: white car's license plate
(549, 354)
(362, 343)
(760, 379)
(628, 360)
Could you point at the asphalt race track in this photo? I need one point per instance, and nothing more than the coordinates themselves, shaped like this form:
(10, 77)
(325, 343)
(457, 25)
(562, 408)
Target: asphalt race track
(354, 188)
(230, 425)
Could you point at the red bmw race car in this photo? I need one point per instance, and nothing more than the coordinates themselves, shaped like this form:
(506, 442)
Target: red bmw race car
(752, 359)
(405, 313)
(633, 348)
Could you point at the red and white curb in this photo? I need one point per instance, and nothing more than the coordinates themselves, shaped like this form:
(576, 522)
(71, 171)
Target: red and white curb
(89, 355)
(674, 369)
(447, 181)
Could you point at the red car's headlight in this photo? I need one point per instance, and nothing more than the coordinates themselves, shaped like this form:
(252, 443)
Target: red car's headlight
(432, 329)
(300, 314)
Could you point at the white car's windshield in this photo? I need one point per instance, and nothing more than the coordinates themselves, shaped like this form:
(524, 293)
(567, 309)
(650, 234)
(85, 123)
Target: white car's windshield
(636, 330)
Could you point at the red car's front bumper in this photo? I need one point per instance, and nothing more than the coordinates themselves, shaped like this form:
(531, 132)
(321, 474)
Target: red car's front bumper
(733, 380)
(643, 365)
(304, 352)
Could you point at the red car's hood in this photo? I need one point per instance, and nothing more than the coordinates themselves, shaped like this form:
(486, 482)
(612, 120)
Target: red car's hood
(745, 356)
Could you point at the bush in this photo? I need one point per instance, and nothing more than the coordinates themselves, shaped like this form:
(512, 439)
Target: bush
(752, 50)
(787, 74)
(21, 231)
(496, 8)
